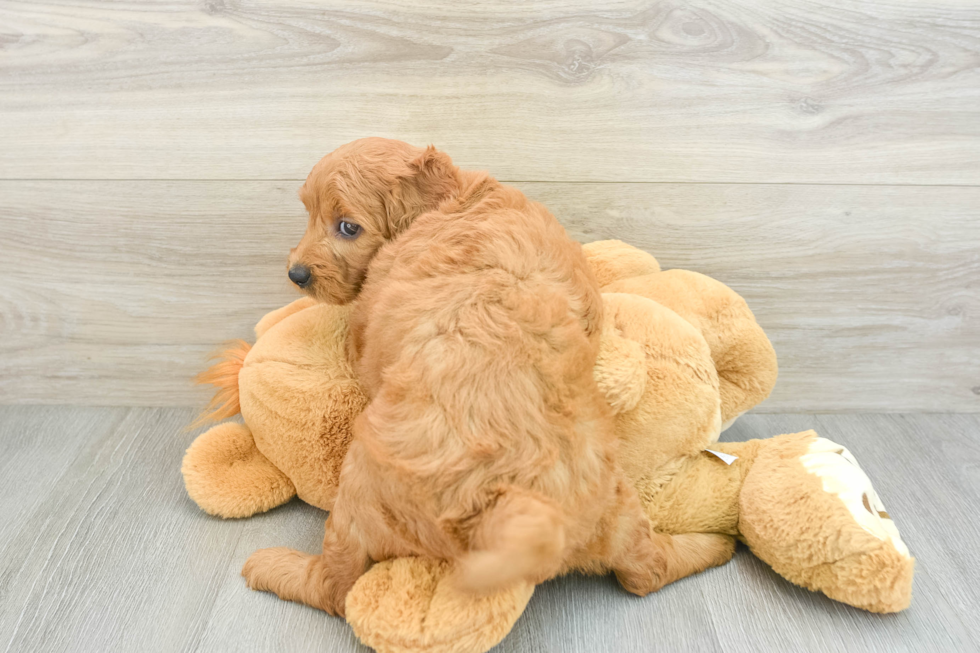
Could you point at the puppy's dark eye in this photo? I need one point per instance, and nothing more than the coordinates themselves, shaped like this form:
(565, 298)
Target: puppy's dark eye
(348, 229)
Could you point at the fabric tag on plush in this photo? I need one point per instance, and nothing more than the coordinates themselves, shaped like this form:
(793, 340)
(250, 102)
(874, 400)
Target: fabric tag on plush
(726, 457)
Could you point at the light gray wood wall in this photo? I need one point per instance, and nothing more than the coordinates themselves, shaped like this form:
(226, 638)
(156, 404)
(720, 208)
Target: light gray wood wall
(821, 158)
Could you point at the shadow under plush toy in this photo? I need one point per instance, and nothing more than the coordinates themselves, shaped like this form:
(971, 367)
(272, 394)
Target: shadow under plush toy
(681, 357)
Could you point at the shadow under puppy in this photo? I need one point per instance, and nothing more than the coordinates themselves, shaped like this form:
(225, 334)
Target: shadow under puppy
(474, 334)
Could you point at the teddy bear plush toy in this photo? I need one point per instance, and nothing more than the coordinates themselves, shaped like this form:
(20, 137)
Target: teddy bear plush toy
(681, 358)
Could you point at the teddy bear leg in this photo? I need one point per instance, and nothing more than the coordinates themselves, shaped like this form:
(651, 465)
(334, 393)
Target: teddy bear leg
(645, 560)
(227, 476)
(658, 559)
(809, 511)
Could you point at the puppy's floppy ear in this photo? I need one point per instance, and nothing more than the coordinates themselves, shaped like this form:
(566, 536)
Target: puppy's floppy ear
(435, 175)
(308, 197)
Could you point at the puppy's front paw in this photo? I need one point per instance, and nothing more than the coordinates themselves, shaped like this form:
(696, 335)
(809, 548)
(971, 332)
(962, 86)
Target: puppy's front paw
(268, 569)
(294, 576)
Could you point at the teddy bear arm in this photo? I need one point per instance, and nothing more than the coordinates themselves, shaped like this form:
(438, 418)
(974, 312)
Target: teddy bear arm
(809, 511)
(411, 605)
(227, 476)
(746, 363)
(702, 493)
(743, 356)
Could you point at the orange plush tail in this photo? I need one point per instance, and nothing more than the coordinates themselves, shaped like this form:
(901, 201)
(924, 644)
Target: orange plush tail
(223, 375)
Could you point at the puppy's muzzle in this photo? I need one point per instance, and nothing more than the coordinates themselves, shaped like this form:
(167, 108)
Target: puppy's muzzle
(300, 275)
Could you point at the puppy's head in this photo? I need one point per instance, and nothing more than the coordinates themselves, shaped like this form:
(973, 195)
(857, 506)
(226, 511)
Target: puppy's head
(359, 197)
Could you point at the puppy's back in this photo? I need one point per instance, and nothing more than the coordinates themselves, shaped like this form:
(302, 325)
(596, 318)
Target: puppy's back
(476, 338)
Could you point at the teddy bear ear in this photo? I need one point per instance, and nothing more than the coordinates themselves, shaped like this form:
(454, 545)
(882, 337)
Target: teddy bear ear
(273, 318)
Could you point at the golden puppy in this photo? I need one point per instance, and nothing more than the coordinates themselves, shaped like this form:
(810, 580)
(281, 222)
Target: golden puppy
(474, 334)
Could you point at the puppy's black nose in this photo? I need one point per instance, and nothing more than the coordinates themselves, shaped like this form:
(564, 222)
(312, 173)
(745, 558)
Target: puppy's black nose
(300, 275)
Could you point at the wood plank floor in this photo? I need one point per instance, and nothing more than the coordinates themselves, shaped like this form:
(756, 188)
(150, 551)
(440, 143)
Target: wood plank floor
(101, 550)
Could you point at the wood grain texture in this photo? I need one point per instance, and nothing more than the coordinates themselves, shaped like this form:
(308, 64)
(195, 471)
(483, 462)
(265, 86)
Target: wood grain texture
(37, 448)
(113, 293)
(107, 561)
(628, 90)
(101, 550)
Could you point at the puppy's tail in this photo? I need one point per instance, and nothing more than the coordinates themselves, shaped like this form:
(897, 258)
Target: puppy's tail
(521, 538)
(223, 375)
